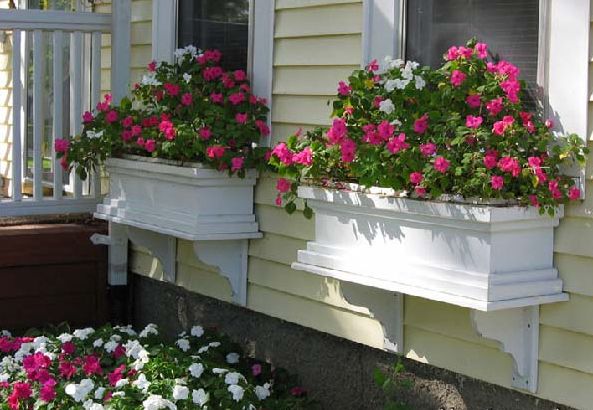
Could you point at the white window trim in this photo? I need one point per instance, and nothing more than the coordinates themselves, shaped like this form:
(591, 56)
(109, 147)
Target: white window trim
(261, 43)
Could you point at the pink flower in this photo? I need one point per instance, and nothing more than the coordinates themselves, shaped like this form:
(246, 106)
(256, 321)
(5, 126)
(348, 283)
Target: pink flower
(457, 78)
(215, 151)
(452, 53)
(283, 185)
(490, 159)
(420, 191)
(494, 106)
(216, 98)
(47, 393)
(337, 132)
(166, 127)
(150, 145)
(343, 88)
(87, 117)
(116, 375)
(385, 130)
(549, 123)
(278, 202)
(348, 149)
(227, 81)
(119, 351)
(186, 99)
(428, 149)
(416, 178)
(441, 164)
(377, 101)
(508, 120)
(421, 124)
(62, 145)
(171, 89)
(466, 52)
(67, 369)
(574, 193)
(511, 87)
(554, 190)
(68, 348)
(140, 141)
(497, 182)
(237, 163)
(298, 391)
(205, 133)
(499, 128)
(240, 75)
(534, 162)
(283, 153)
(111, 116)
(473, 100)
(212, 73)
(473, 122)
(305, 157)
(263, 128)
(127, 122)
(256, 369)
(241, 117)
(245, 88)
(151, 66)
(236, 98)
(533, 200)
(348, 111)
(92, 365)
(510, 164)
(481, 50)
(397, 144)
(373, 66)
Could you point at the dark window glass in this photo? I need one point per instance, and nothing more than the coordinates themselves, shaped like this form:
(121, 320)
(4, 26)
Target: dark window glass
(509, 27)
(216, 24)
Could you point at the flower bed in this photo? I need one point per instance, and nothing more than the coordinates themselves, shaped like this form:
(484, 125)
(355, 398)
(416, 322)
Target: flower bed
(116, 368)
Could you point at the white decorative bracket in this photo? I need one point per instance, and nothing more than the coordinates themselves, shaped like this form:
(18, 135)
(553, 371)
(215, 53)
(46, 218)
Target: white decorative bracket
(517, 330)
(230, 257)
(162, 247)
(386, 307)
(117, 240)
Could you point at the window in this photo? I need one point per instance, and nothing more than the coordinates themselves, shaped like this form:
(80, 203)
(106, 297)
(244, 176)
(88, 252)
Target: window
(509, 27)
(219, 24)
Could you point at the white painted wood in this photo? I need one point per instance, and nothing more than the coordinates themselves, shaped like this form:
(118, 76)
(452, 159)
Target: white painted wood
(163, 247)
(118, 255)
(164, 29)
(382, 29)
(121, 12)
(38, 117)
(190, 202)
(230, 257)
(76, 98)
(261, 70)
(29, 206)
(95, 97)
(517, 330)
(54, 20)
(17, 117)
(58, 97)
(487, 258)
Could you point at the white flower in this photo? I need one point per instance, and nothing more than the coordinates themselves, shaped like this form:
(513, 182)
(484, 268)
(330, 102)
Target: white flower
(4, 377)
(411, 65)
(156, 402)
(121, 383)
(100, 393)
(141, 383)
(237, 391)
(126, 329)
(98, 343)
(390, 85)
(150, 79)
(82, 334)
(196, 369)
(5, 333)
(419, 82)
(197, 331)
(218, 370)
(187, 77)
(119, 394)
(79, 391)
(386, 106)
(407, 73)
(200, 397)
(254, 145)
(233, 378)
(214, 344)
(180, 52)
(232, 358)
(94, 134)
(397, 63)
(183, 344)
(150, 329)
(262, 392)
(115, 337)
(136, 350)
(396, 122)
(180, 392)
(401, 84)
(91, 405)
(110, 346)
(65, 337)
(203, 349)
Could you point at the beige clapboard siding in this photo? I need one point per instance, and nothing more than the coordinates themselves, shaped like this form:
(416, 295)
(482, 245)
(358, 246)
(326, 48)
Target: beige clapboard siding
(289, 4)
(564, 385)
(567, 349)
(301, 109)
(315, 51)
(298, 80)
(318, 21)
(574, 315)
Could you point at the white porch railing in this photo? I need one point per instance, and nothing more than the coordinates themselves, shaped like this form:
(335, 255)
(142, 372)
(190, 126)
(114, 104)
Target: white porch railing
(38, 185)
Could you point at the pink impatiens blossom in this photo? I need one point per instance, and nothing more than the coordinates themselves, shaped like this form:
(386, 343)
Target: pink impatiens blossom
(481, 50)
(452, 53)
(473, 121)
(205, 133)
(62, 145)
(87, 117)
(397, 144)
(490, 159)
(465, 52)
(68, 348)
(127, 122)
(510, 165)
(167, 128)
(473, 100)
(574, 193)
(373, 66)
(237, 163)
(236, 98)
(348, 150)
(150, 145)
(337, 132)
(241, 118)
(428, 149)
(92, 365)
(240, 75)
(151, 67)
(186, 99)
(457, 78)
(497, 182)
(171, 89)
(377, 101)
(216, 98)
(441, 164)
(111, 117)
(305, 157)
(215, 151)
(47, 393)
(344, 88)
(136, 130)
(554, 189)
(263, 128)
(420, 191)
(494, 106)
(283, 153)
(511, 88)
(421, 124)
(416, 178)
(283, 185)
(385, 130)
(212, 73)
(549, 123)
(533, 200)
(256, 369)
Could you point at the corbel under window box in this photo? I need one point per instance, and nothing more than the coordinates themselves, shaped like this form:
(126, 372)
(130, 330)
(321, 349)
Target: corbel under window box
(152, 202)
(496, 260)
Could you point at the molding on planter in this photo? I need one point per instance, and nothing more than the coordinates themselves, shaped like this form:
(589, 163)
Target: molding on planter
(517, 330)
(162, 247)
(230, 257)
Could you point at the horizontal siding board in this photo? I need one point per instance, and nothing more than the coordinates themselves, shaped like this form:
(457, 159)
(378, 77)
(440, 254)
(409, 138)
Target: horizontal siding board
(291, 4)
(576, 272)
(571, 229)
(311, 110)
(574, 315)
(329, 50)
(301, 22)
(309, 80)
(204, 282)
(566, 386)
(275, 220)
(266, 193)
(276, 248)
(567, 349)
(281, 131)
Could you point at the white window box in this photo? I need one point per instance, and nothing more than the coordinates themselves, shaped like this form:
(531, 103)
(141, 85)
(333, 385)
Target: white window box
(482, 257)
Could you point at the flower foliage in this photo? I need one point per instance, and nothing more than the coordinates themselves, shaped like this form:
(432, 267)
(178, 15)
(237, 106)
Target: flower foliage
(190, 110)
(116, 368)
(460, 131)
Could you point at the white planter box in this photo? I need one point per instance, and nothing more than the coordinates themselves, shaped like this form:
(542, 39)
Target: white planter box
(482, 257)
(191, 202)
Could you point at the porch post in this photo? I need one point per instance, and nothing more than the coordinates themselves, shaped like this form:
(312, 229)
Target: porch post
(121, 18)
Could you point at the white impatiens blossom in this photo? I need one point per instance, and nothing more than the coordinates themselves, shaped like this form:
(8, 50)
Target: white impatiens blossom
(110, 346)
(196, 369)
(262, 392)
(183, 344)
(100, 393)
(5, 333)
(419, 82)
(135, 350)
(119, 394)
(232, 358)
(218, 370)
(391, 63)
(126, 329)
(141, 383)
(203, 349)
(94, 134)
(91, 405)
(386, 106)
(200, 397)
(98, 343)
(79, 391)
(237, 391)
(156, 402)
(121, 383)
(150, 79)
(390, 85)
(197, 331)
(65, 337)
(150, 329)
(4, 377)
(82, 334)
(397, 123)
(180, 392)
(233, 378)
(214, 344)
(186, 77)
